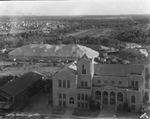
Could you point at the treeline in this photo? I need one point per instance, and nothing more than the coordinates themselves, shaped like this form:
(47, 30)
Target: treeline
(129, 29)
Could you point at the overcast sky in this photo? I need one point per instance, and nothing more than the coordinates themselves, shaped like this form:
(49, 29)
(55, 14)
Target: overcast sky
(75, 7)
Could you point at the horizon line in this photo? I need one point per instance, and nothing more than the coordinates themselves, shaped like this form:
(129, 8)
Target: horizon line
(80, 15)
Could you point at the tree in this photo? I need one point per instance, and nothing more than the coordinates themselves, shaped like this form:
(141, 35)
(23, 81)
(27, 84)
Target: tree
(92, 103)
(126, 106)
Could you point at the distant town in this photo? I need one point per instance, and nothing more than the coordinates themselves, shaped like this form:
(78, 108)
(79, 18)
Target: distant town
(75, 67)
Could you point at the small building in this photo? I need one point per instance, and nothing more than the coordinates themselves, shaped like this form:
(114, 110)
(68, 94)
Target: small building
(15, 94)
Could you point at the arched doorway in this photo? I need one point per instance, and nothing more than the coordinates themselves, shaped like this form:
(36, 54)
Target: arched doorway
(105, 97)
(112, 98)
(98, 98)
(98, 95)
(119, 96)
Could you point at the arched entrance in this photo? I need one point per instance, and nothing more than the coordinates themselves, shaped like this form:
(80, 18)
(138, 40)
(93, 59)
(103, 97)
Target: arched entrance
(112, 98)
(98, 98)
(105, 97)
(98, 95)
(119, 96)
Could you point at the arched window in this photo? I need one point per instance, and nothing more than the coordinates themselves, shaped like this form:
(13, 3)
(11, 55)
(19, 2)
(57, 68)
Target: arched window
(64, 83)
(86, 96)
(120, 96)
(112, 98)
(83, 69)
(78, 96)
(97, 95)
(59, 83)
(132, 99)
(82, 97)
(71, 100)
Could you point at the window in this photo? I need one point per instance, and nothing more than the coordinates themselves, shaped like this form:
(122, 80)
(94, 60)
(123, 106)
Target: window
(82, 83)
(71, 100)
(64, 103)
(99, 81)
(79, 104)
(82, 105)
(86, 105)
(60, 96)
(132, 99)
(86, 96)
(132, 83)
(59, 84)
(68, 83)
(136, 83)
(82, 96)
(112, 82)
(64, 83)
(120, 82)
(83, 70)
(85, 84)
(64, 96)
(60, 103)
(105, 81)
(78, 96)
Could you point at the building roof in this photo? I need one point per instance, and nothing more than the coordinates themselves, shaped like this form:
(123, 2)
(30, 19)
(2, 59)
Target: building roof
(46, 50)
(71, 68)
(136, 52)
(117, 69)
(133, 45)
(20, 84)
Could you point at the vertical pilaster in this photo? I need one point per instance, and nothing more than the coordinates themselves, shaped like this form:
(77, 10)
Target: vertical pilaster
(108, 98)
(101, 99)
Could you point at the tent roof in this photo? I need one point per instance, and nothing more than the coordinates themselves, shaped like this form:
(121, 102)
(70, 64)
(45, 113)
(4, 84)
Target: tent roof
(46, 50)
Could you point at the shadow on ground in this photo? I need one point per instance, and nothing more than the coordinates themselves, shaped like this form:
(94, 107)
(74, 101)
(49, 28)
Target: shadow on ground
(85, 113)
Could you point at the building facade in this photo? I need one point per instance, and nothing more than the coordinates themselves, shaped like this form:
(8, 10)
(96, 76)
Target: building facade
(106, 84)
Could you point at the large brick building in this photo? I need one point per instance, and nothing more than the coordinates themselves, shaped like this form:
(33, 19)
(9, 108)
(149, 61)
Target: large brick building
(107, 84)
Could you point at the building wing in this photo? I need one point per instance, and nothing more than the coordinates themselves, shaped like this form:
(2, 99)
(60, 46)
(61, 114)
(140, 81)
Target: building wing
(20, 84)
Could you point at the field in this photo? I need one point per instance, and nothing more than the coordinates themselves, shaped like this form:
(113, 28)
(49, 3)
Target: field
(91, 32)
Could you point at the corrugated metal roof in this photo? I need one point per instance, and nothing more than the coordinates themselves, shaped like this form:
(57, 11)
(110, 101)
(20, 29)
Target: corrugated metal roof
(45, 50)
(71, 68)
(20, 84)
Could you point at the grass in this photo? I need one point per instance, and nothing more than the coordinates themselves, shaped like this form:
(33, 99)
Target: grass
(86, 112)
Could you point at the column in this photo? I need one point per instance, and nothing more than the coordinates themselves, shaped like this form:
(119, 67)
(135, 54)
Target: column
(101, 100)
(116, 103)
(108, 98)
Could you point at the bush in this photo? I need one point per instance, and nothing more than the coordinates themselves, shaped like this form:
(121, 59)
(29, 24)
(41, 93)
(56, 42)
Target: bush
(126, 107)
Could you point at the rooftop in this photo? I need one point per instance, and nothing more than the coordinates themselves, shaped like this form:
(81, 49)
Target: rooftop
(117, 69)
(20, 84)
(46, 50)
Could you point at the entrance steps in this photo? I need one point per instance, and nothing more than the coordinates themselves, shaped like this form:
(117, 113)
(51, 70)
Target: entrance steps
(107, 111)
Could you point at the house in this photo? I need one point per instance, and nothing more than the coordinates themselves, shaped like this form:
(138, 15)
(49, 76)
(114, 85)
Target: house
(15, 94)
(107, 84)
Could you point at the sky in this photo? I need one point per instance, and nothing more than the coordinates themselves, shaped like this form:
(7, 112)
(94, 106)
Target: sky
(75, 7)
